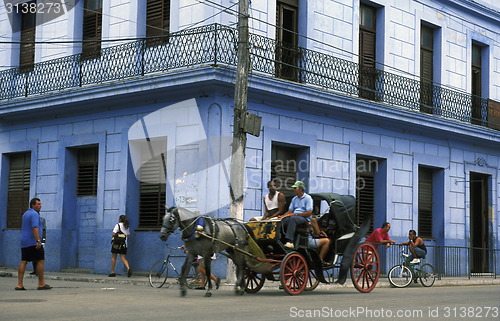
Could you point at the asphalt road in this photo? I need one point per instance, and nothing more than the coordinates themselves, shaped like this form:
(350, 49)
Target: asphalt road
(70, 300)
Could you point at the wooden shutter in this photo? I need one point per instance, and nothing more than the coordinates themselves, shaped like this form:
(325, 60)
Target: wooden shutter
(426, 69)
(476, 84)
(425, 202)
(287, 51)
(87, 171)
(152, 196)
(157, 22)
(27, 52)
(367, 50)
(284, 167)
(18, 188)
(365, 195)
(92, 29)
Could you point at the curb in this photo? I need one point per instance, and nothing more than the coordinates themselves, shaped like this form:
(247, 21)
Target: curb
(141, 279)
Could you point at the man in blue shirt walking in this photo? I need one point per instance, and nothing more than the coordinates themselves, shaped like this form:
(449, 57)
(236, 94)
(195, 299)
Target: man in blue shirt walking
(31, 245)
(299, 212)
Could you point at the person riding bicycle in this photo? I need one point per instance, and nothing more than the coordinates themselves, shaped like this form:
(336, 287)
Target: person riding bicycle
(416, 246)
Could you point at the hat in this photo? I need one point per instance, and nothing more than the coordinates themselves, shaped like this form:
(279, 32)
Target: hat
(299, 184)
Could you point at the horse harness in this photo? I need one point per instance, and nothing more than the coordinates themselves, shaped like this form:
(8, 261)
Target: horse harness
(209, 227)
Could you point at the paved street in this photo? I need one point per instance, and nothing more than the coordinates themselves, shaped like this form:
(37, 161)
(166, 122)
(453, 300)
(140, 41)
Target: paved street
(76, 300)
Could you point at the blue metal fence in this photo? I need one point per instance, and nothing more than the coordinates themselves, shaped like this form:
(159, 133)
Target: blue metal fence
(449, 261)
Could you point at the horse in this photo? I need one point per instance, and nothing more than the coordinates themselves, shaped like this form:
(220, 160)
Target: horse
(218, 235)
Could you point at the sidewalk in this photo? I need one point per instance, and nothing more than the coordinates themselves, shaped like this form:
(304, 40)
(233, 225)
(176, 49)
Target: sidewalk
(141, 278)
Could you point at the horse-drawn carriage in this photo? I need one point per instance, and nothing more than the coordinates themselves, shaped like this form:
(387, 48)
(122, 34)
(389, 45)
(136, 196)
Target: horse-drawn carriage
(301, 269)
(258, 251)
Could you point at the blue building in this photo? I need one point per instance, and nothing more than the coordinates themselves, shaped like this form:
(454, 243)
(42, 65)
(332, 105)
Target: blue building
(396, 103)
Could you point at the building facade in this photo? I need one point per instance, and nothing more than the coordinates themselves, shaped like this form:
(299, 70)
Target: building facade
(110, 109)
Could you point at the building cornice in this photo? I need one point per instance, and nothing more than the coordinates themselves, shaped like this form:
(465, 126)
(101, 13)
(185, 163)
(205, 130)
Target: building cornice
(474, 8)
(261, 89)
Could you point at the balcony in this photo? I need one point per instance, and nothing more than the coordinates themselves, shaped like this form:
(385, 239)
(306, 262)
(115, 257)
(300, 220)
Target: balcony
(217, 45)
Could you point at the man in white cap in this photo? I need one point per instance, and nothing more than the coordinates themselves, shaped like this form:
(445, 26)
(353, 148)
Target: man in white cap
(299, 212)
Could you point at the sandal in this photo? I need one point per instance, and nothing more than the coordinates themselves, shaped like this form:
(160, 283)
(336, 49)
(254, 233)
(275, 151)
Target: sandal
(45, 287)
(20, 289)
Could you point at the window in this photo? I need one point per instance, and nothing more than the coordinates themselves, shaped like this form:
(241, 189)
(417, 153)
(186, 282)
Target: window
(476, 84)
(27, 52)
(426, 68)
(365, 190)
(157, 22)
(367, 49)
(284, 167)
(87, 171)
(425, 201)
(18, 188)
(152, 195)
(287, 52)
(92, 29)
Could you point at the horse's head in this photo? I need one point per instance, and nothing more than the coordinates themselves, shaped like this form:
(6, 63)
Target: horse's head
(170, 223)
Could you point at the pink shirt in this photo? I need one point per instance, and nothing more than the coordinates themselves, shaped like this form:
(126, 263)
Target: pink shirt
(377, 236)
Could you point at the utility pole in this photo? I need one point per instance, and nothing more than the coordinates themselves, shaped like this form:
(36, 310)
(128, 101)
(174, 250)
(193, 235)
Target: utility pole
(239, 135)
(240, 107)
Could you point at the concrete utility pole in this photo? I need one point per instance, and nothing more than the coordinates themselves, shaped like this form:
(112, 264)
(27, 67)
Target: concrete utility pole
(240, 107)
(239, 136)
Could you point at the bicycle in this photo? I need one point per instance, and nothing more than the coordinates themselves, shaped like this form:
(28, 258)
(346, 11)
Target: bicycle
(159, 272)
(403, 274)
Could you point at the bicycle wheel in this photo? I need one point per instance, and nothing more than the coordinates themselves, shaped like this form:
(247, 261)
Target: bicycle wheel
(427, 275)
(158, 274)
(400, 276)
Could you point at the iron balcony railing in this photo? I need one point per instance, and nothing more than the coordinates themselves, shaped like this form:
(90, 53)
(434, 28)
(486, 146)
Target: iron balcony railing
(217, 45)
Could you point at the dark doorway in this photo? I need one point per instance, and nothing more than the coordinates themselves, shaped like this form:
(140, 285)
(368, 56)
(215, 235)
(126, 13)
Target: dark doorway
(479, 222)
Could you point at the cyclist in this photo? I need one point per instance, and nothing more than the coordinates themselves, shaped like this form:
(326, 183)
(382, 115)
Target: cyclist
(416, 246)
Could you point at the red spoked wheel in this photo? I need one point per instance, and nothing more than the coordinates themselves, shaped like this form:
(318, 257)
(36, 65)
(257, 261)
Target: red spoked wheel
(365, 268)
(294, 273)
(312, 281)
(253, 281)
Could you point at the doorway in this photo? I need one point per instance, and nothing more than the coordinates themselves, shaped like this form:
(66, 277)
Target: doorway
(479, 231)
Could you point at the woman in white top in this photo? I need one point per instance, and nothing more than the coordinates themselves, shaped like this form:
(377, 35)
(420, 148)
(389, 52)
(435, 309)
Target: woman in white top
(123, 225)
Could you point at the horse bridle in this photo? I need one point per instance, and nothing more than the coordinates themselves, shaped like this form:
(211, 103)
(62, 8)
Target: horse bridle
(171, 220)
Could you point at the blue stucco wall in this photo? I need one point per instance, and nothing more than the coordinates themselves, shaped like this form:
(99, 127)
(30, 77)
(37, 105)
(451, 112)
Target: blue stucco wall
(331, 135)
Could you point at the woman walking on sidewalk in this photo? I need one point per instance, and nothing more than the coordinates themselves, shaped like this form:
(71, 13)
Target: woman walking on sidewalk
(121, 227)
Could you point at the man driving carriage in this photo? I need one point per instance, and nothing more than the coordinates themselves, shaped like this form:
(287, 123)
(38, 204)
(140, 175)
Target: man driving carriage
(299, 213)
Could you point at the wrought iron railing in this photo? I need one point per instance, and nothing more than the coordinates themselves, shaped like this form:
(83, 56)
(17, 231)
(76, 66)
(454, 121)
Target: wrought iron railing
(449, 261)
(217, 45)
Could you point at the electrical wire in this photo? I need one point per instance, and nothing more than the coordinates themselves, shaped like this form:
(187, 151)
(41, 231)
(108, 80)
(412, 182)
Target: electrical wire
(222, 9)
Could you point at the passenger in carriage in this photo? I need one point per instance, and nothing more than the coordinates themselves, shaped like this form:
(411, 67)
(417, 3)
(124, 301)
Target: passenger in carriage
(320, 241)
(299, 213)
(274, 204)
(381, 236)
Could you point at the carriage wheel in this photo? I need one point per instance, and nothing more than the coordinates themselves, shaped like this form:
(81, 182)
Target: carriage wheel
(253, 281)
(365, 268)
(294, 273)
(312, 281)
